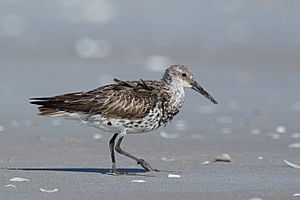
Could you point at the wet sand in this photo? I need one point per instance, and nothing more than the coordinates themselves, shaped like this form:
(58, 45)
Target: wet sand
(256, 123)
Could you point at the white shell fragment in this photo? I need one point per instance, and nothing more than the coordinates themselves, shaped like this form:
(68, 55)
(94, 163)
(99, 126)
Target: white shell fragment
(295, 145)
(296, 195)
(280, 129)
(138, 181)
(49, 191)
(10, 186)
(166, 135)
(255, 198)
(260, 158)
(293, 165)
(205, 162)
(223, 158)
(173, 176)
(18, 179)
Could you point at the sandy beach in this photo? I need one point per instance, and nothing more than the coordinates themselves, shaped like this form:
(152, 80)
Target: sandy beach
(257, 131)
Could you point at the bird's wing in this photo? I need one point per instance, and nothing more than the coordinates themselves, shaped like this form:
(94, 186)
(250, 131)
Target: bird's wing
(124, 99)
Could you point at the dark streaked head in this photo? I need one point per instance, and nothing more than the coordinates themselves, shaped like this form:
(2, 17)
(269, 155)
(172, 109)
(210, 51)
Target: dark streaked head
(184, 76)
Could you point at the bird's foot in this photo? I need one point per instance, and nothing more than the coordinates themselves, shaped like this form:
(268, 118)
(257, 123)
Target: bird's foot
(117, 173)
(146, 165)
(114, 171)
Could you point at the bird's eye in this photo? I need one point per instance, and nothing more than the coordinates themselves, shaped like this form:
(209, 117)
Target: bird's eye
(183, 74)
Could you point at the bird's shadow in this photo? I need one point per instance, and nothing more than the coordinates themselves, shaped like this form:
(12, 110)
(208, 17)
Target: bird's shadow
(106, 171)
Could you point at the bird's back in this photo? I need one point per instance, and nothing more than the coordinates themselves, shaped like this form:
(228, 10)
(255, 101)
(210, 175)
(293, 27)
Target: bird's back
(123, 99)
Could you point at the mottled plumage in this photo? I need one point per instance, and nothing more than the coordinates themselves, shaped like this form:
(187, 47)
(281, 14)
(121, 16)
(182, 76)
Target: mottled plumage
(126, 106)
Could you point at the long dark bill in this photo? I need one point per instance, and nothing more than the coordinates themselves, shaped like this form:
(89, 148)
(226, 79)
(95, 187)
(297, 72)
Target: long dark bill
(198, 88)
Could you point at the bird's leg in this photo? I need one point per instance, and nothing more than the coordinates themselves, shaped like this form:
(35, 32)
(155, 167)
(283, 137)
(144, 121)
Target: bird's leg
(139, 161)
(112, 152)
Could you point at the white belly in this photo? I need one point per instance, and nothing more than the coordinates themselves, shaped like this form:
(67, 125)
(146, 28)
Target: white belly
(121, 125)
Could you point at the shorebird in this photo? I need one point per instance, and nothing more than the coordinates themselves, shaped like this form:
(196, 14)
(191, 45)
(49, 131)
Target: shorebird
(126, 107)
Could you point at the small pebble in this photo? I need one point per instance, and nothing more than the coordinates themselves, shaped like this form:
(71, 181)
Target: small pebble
(2, 128)
(223, 158)
(296, 195)
(18, 179)
(138, 181)
(205, 162)
(49, 191)
(173, 176)
(260, 158)
(280, 129)
(255, 198)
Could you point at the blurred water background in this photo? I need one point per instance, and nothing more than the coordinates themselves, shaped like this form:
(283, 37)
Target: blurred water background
(245, 53)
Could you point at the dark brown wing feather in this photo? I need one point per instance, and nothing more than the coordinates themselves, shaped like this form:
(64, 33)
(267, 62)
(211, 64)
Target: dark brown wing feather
(124, 99)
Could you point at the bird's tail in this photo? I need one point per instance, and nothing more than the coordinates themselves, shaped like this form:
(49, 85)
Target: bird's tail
(47, 106)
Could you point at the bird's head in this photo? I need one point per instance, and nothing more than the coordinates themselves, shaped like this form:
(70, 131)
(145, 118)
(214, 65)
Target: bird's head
(182, 75)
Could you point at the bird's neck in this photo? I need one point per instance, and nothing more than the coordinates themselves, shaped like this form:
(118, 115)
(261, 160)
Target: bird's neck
(177, 94)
